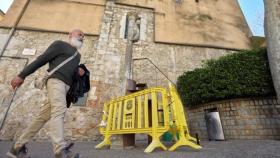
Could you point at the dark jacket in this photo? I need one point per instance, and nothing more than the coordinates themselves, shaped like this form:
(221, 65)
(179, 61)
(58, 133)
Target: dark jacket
(56, 53)
(80, 85)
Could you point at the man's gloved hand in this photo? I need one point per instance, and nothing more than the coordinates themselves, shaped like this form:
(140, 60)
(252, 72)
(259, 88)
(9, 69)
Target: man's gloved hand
(16, 82)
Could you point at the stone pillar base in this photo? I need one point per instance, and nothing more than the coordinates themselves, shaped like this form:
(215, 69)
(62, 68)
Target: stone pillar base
(126, 141)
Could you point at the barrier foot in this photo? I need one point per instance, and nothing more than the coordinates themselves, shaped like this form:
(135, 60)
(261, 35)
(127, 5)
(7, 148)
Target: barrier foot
(153, 145)
(190, 138)
(184, 141)
(105, 142)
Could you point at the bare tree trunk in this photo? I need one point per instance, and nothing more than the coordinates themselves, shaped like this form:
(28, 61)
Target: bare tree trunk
(272, 35)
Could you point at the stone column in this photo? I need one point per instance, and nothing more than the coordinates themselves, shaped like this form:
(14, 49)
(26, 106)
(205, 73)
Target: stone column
(128, 140)
(133, 36)
(272, 35)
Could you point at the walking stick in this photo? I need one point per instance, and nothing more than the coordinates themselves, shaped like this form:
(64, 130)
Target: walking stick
(8, 108)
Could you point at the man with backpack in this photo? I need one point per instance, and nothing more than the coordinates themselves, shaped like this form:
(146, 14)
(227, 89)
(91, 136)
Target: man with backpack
(57, 85)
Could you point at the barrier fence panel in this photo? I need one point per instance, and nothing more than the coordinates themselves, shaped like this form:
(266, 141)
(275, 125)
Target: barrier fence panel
(180, 123)
(130, 115)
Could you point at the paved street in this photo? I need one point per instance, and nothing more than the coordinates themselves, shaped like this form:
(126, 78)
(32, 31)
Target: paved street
(214, 149)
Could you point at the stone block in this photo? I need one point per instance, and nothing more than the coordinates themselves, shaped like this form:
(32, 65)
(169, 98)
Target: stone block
(233, 108)
(265, 102)
(274, 101)
(270, 102)
(251, 102)
(256, 102)
(260, 102)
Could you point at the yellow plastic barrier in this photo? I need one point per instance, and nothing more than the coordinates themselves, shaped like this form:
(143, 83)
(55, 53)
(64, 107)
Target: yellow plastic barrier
(180, 123)
(130, 115)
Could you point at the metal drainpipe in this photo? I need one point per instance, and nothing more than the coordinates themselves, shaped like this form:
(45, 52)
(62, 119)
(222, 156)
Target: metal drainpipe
(13, 29)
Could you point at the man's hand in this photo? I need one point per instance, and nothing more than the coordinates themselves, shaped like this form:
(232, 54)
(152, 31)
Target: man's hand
(81, 71)
(16, 82)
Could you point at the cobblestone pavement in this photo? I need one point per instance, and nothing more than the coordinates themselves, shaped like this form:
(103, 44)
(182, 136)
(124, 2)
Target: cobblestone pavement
(213, 149)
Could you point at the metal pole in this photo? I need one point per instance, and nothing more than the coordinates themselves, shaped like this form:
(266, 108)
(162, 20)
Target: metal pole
(9, 106)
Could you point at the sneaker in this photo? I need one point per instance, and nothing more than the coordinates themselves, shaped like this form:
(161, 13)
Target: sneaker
(21, 152)
(67, 153)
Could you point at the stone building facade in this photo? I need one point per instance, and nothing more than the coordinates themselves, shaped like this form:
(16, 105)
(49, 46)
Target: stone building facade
(105, 25)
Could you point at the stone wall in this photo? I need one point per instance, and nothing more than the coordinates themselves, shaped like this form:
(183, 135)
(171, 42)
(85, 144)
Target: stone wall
(173, 60)
(208, 23)
(256, 118)
(211, 23)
